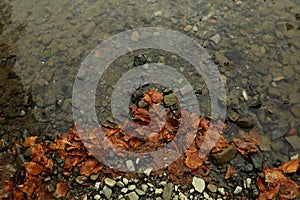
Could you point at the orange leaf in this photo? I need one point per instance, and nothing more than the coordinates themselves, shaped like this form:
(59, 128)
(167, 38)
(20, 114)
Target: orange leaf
(193, 159)
(61, 189)
(155, 96)
(33, 168)
(261, 186)
(288, 189)
(273, 175)
(229, 171)
(30, 141)
(290, 166)
(88, 166)
(147, 98)
(143, 115)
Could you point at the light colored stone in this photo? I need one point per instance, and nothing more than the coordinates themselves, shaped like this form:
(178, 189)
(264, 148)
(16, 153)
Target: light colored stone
(135, 36)
(199, 184)
(132, 196)
(238, 190)
(110, 182)
(148, 171)
(158, 191)
(107, 192)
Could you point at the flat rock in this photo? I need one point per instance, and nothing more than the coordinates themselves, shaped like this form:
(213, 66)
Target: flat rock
(227, 154)
(168, 190)
(295, 110)
(107, 192)
(199, 184)
(132, 196)
(89, 28)
(245, 122)
(294, 141)
(279, 132)
(110, 182)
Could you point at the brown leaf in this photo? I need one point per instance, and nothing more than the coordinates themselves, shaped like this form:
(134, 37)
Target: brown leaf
(155, 96)
(61, 189)
(229, 171)
(290, 166)
(273, 175)
(288, 189)
(30, 141)
(90, 166)
(33, 168)
(194, 159)
(142, 115)
(147, 98)
(260, 184)
(243, 147)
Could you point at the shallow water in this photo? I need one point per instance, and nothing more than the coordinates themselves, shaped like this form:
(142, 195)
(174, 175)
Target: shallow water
(256, 46)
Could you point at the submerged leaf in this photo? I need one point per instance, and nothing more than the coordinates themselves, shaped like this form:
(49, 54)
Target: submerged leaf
(30, 141)
(61, 189)
(33, 168)
(290, 166)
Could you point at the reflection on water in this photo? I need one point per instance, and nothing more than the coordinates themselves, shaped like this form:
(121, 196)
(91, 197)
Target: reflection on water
(255, 44)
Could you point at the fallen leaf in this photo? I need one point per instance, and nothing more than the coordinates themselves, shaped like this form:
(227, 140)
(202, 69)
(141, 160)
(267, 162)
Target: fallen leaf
(261, 185)
(244, 147)
(33, 168)
(289, 166)
(90, 166)
(61, 189)
(288, 189)
(229, 171)
(194, 158)
(29, 141)
(142, 115)
(155, 96)
(273, 175)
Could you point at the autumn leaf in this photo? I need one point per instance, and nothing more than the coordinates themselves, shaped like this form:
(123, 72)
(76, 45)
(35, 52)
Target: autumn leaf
(194, 159)
(90, 166)
(155, 96)
(33, 168)
(61, 189)
(290, 166)
(288, 189)
(261, 185)
(229, 171)
(29, 141)
(142, 115)
(244, 147)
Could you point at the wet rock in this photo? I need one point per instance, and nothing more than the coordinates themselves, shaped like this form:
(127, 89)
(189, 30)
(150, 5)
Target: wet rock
(199, 184)
(140, 59)
(187, 28)
(168, 190)
(132, 196)
(81, 179)
(295, 110)
(221, 191)
(227, 154)
(130, 165)
(110, 182)
(245, 122)
(257, 161)
(294, 141)
(212, 188)
(265, 143)
(234, 117)
(148, 171)
(170, 99)
(247, 168)
(107, 192)
(279, 132)
(216, 38)
(135, 36)
(238, 190)
(131, 187)
(88, 30)
(140, 192)
(268, 39)
(20, 159)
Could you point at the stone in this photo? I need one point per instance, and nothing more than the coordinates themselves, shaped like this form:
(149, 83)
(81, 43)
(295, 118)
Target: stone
(144, 187)
(225, 155)
(295, 110)
(221, 191)
(130, 165)
(124, 190)
(81, 179)
(132, 196)
(187, 28)
(107, 192)
(268, 39)
(168, 190)
(238, 190)
(199, 184)
(257, 160)
(125, 181)
(216, 38)
(135, 36)
(158, 191)
(88, 30)
(97, 197)
(245, 122)
(212, 187)
(182, 196)
(294, 141)
(170, 99)
(131, 187)
(140, 192)
(110, 182)
(148, 171)
(279, 132)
